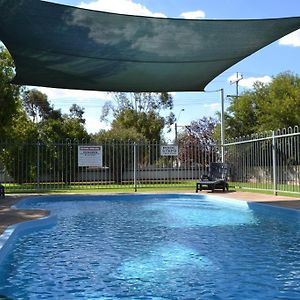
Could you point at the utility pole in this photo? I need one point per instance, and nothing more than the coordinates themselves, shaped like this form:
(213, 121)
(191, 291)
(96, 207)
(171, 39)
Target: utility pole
(238, 79)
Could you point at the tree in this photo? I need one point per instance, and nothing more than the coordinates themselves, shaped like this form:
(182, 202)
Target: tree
(38, 107)
(198, 145)
(33, 126)
(9, 94)
(58, 137)
(115, 134)
(279, 103)
(265, 107)
(77, 112)
(149, 125)
(118, 148)
(241, 116)
(15, 127)
(141, 111)
(136, 118)
(201, 131)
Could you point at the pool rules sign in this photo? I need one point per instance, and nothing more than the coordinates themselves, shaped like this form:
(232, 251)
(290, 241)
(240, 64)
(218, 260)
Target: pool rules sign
(90, 156)
(169, 150)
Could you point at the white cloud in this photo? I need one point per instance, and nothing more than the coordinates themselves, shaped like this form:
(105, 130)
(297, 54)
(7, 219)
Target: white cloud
(249, 82)
(234, 77)
(197, 14)
(122, 7)
(93, 125)
(213, 106)
(92, 102)
(75, 95)
(292, 39)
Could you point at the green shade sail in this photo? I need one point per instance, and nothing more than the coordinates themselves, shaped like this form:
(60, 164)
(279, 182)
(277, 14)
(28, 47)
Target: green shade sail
(66, 47)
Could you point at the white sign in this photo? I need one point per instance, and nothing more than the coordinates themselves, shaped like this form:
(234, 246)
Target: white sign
(169, 150)
(90, 156)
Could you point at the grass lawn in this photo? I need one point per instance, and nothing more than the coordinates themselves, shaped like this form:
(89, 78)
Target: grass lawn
(283, 189)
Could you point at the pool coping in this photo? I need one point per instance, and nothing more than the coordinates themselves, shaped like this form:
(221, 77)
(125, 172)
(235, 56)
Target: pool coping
(13, 232)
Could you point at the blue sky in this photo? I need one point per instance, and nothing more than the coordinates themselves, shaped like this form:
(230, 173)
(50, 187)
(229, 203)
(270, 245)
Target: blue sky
(278, 57)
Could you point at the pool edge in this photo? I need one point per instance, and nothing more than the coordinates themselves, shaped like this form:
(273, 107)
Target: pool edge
(13, 232)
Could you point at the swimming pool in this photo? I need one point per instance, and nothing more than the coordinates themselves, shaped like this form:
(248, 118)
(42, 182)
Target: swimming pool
(155, 247)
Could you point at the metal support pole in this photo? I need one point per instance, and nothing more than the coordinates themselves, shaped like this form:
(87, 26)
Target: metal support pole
(134, 167)
(222, 126)
(274, 164)
(176, 136)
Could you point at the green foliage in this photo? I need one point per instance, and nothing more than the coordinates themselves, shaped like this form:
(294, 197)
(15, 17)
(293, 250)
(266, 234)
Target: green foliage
(22, 128)
(148, 125)
(241, 117)
(279, 105)
(77, 112)
(136, 118)
(53, 130)
(115, 134)
(266, 107)
(30, 123)
(119, 147)
(141, 111)
(9, 94)
(14, 123)
(52, 125)
(38, 107)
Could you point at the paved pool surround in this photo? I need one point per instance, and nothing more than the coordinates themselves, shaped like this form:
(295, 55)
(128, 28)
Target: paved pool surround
(10, 215)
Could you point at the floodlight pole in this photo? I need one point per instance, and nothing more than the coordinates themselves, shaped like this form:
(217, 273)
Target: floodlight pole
(222, 126)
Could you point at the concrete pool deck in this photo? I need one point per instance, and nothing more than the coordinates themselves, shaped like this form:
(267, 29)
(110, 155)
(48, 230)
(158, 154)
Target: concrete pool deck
(10, 215)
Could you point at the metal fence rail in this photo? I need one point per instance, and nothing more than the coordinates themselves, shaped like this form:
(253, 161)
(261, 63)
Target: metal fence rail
(49, 167)
(269, 161)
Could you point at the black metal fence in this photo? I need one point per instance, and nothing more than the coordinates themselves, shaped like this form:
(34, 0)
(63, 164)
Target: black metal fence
(110, 165)
(269, 161)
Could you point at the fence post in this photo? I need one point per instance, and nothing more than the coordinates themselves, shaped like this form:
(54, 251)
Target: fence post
(38, 165)
(134, 167)
(222, 126)
(274, 163)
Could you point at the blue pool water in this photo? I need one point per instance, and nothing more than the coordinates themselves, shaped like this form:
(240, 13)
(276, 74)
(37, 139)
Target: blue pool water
(155, 247)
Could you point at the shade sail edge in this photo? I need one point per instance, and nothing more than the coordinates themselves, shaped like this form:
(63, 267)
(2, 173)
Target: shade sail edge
(81, 49)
